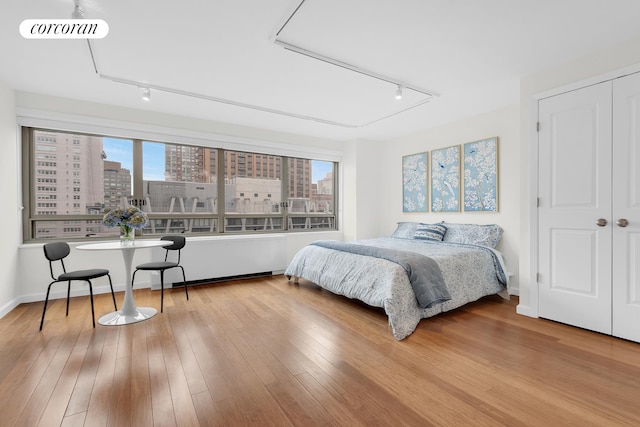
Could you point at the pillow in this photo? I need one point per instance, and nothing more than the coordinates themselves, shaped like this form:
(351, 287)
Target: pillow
(473, 234)
(405, 230)
(433, 232)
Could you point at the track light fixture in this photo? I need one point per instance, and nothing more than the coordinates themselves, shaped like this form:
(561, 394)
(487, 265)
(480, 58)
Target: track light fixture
(146, 86)
(146, 94)
(399, 92)
(78, 12)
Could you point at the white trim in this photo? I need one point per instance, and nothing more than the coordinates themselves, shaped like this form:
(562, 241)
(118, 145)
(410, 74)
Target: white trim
(526, 310)
(20, 202)
(10, 305)
(122, 129)
(532, 309)
(611, 75)
(207, 237)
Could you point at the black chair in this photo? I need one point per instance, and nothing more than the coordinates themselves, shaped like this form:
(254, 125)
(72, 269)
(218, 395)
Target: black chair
(57, 251)
(178, 244)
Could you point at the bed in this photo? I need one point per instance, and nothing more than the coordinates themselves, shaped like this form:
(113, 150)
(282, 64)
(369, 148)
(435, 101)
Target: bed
(383, 272)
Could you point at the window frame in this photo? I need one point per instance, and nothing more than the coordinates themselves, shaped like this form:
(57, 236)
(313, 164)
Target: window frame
(32, 222)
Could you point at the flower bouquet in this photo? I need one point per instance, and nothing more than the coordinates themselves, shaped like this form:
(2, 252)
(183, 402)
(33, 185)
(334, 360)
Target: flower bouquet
(128, 219)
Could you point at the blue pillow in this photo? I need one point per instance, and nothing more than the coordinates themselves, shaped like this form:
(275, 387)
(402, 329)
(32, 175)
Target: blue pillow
(433, 232)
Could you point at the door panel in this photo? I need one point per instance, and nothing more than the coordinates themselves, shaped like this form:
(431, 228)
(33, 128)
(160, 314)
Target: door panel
(574, 192)
(626, 205)
(573, 258)
(578, 188)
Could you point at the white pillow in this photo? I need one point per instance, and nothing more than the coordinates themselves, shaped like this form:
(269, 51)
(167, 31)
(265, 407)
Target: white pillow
(473, 234)
(405, 230)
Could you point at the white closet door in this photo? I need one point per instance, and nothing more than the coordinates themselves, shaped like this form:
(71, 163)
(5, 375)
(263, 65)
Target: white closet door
(574, 190)
(626, 207)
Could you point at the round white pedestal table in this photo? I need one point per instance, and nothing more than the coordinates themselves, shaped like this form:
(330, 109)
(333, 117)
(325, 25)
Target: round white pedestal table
(129, 313)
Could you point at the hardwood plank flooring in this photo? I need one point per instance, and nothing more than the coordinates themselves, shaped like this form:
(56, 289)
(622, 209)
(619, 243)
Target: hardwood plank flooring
(267, 352)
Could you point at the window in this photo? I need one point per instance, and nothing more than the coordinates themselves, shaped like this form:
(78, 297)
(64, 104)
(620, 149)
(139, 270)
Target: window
(247, 175)
(311, 201)
(75, 178)
(180, 188)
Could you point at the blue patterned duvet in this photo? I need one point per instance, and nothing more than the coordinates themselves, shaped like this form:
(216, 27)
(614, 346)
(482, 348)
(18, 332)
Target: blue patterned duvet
(470, 272)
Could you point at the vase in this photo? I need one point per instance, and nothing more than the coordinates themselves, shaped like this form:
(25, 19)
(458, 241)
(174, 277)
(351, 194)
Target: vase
(127, 235)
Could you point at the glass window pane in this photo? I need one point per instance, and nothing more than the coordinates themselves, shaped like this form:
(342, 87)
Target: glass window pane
(79, 174)
(179, 178)
(72, 228)
(244, 224)
(310, 186)
(76, 174)
(322, 184)
(181, 225)
(252, 184)
(118, 175)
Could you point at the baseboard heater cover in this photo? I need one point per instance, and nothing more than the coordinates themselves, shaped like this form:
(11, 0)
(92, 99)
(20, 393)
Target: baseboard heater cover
(206, 260)
(221, 279)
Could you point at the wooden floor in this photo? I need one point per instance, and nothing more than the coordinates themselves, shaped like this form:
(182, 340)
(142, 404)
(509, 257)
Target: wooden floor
(266, 352)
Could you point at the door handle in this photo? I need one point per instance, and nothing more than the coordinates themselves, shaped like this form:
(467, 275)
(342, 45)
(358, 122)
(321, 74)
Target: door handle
(601, 222)
(622, 222)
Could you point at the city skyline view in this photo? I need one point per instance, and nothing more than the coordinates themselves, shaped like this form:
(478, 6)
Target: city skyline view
(153, 153)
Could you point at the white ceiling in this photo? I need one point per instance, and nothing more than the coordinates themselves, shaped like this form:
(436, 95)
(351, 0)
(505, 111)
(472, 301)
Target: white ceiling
(470, 52)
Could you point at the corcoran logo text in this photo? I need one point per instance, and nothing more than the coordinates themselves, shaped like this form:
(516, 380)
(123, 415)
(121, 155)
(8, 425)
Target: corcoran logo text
(64, 29)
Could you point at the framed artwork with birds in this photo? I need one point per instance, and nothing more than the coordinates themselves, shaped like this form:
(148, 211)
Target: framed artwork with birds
(445, 179)
(481, 175)
(414, 183)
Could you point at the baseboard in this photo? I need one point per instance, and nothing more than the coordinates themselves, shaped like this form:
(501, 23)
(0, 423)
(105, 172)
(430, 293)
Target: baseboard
(525, 310)
(62, 294)
(5, 309)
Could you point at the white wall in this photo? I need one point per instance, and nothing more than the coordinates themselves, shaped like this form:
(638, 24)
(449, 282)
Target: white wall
(503, 123)
(603, 65)
(10, 217)
(348, 202)
(361, 192)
